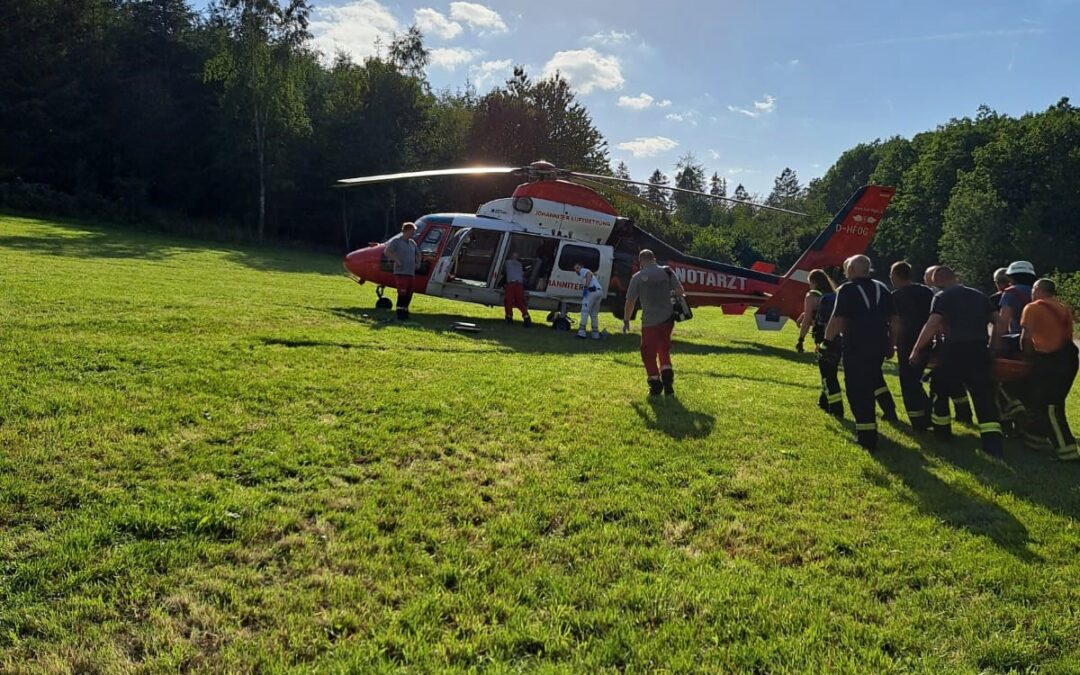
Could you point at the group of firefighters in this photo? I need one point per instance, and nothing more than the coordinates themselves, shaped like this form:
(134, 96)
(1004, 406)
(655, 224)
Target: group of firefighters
(1012, 353)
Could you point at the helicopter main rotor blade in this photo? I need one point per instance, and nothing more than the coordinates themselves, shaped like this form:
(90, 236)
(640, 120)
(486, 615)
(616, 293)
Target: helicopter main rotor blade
(386, 177)
(596, 185)
(685, 191)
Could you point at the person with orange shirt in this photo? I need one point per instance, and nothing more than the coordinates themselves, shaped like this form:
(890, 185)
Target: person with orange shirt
(1046, 336)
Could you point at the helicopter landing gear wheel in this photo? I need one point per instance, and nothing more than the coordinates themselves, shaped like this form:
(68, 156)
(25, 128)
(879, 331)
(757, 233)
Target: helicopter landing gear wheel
(382, 303)
(561, 323)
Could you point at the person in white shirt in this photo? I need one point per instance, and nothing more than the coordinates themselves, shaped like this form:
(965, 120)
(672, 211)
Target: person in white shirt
(592, 293)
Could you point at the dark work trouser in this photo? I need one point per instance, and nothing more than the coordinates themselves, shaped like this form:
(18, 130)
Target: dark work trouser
(831, 399)
(404, 285)
(862, 378)
(884, 397)
(916, 402)
(968, 364)
(1054, 374)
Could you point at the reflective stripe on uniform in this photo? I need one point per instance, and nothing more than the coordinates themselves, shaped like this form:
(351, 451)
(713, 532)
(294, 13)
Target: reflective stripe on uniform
(880, 391)
(870, 426)
(960, 400)
(941, 421)
(1037, 442)
(835, 398)
(1068, 454)
(916, 413)
(990, 428)
(1058, 436)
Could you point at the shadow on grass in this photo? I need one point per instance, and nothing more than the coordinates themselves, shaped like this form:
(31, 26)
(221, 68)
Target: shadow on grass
(542, 339)
(302, 343)
(668, 415)
(1035, 477)
(954, 505)
(93, 241)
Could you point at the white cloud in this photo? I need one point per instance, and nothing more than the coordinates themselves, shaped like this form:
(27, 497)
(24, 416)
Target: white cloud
(609, 38)
(432, 22)
(793, 62)
(478, 17)
(663, 104)
(647, 146)
(450, 58)
(639, 102)
(352, 28)
(586, 69)
(489, 71)
(689, 117)
(763, 107)
(715, 154)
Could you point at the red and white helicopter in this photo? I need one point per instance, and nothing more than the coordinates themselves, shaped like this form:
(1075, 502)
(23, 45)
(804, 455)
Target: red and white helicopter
(557, 219)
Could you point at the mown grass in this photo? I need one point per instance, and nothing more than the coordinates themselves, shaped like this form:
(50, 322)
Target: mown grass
(223, 459)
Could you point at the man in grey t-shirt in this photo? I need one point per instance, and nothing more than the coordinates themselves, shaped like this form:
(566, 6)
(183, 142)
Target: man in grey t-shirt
(514, 291)
(405, 255)
(653, 286)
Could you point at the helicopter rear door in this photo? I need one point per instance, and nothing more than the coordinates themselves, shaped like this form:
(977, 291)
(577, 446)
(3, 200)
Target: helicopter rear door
(564, 283)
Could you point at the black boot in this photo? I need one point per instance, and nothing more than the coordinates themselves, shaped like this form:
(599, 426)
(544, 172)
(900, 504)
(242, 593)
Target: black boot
(667, 378)
(402, 313)
(867, 440)
(527, 322)
(509, 321)
(656, 387)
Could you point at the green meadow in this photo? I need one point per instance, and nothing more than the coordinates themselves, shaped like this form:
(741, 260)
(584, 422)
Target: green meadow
(216, 458)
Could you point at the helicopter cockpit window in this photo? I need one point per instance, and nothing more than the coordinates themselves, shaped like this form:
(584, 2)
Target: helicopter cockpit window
(431, 242)
(588, 258)
(523, 204)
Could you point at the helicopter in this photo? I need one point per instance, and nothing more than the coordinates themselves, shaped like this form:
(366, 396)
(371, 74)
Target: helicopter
(557, 219)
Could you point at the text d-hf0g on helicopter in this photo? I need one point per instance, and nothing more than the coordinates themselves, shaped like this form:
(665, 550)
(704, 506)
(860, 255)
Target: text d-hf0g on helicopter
(557, 219)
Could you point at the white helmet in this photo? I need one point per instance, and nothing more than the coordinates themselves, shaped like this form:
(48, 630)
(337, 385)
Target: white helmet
(1020, 267)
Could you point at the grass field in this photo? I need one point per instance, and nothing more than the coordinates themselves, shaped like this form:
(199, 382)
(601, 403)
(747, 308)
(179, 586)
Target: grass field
(222, 459)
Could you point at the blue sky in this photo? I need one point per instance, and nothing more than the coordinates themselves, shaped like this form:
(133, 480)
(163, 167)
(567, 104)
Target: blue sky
(748, 87)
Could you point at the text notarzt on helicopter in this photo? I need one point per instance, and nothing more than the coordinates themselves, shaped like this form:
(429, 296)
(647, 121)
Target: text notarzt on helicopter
(715, 279)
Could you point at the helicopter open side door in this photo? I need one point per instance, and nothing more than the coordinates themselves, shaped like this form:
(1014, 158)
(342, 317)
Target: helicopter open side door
(564, 283)
(465, 270)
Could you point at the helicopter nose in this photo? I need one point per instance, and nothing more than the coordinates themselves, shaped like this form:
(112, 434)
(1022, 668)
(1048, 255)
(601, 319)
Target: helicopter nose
(363, 263)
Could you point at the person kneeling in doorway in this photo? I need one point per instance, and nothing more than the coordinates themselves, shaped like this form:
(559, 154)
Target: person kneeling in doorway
(654, 286)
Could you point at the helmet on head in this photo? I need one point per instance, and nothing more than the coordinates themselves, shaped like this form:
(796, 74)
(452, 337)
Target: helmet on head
(1020, 267)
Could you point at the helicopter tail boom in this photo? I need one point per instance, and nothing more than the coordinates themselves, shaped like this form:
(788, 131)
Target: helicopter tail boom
(849, 233)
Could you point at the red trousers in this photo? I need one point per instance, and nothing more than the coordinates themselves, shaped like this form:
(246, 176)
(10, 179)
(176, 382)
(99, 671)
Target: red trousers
(514, 296)
(656, 347)
(404, 285)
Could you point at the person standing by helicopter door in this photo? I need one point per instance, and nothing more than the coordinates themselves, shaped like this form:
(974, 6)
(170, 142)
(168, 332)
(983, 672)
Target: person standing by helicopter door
(514, 291)
(591, 295)
(405, 255)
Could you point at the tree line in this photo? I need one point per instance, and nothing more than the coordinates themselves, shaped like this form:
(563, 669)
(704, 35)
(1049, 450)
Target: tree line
(228, 123)
(147, 111)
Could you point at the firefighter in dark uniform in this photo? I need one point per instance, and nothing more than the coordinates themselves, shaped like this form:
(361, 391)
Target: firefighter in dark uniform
(817, 308)
(940, 388)
(912, 304)
(964, 315)
(864, 315)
